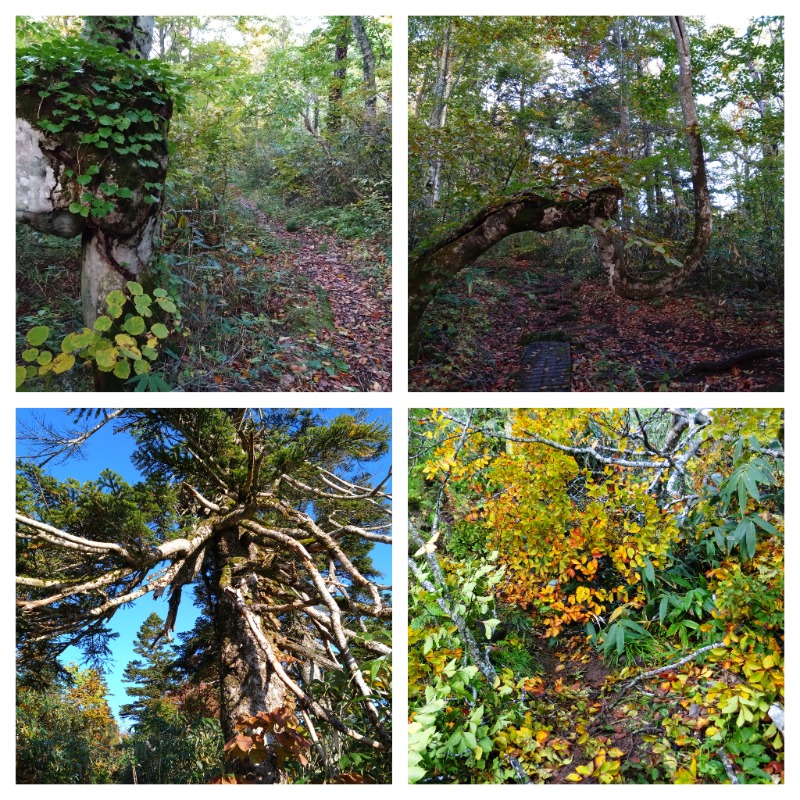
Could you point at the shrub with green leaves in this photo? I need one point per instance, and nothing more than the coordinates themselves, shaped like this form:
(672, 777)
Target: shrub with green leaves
(124, 342)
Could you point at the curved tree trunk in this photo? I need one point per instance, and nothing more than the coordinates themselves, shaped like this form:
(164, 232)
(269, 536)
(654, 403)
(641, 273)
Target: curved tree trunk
(635, 287)
(524, 212)
(118, 242)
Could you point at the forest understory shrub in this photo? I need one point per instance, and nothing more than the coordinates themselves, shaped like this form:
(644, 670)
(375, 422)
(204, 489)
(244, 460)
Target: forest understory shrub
(682, 601)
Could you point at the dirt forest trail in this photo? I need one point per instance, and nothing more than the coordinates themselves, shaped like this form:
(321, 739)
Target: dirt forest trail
(683, 342)
(355, 306)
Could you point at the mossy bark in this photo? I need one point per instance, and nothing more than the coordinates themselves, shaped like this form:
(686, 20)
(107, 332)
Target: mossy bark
(247, 683)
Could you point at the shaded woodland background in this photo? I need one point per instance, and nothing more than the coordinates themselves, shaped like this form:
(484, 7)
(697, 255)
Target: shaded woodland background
(562, 105)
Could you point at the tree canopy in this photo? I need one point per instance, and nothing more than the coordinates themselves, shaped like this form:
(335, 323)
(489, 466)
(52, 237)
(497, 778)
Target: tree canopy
(270, 516)
(596, 596)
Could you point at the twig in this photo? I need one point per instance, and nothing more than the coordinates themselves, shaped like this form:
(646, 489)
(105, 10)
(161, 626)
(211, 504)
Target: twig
(681, 662)
(726, 762)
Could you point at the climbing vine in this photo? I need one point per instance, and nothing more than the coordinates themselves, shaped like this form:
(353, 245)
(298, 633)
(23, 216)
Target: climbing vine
(98, 102)
(121, 343)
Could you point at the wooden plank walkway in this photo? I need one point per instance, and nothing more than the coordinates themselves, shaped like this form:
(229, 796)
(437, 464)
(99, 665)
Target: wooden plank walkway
(546, 367)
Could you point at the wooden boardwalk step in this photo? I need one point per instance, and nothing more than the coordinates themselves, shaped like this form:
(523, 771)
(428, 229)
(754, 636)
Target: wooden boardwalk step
(546, 367)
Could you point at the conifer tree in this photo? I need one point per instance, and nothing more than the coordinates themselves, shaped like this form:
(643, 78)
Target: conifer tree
(272, 514)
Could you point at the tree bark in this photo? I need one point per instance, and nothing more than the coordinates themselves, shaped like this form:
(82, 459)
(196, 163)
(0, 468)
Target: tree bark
(336, 87)
(368, 60)
(528, 211)
(442, 90)
(635, 287)
(248, 685)
(117, 245)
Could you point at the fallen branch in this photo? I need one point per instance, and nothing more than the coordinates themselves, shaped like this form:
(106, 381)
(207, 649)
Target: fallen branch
(668, 667)
(653, 672)
(724, 364)
(726, 762)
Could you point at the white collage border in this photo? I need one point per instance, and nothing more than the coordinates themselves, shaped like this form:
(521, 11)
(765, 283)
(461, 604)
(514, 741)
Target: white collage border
(400, 399)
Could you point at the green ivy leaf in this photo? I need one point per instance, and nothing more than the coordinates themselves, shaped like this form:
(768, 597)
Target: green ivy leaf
(38, 335)
(102, 324)
(21, 375)
(160, 330)
(167, 305)
(134, 326)
(123, 369)
(134, 288)
(115, 298)
(31, 354)
(106, 359)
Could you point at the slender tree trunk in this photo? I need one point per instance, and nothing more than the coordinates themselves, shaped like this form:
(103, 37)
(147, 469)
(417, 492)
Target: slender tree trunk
(336, 88)
(438, 117)
(624, 107)
(368, 60)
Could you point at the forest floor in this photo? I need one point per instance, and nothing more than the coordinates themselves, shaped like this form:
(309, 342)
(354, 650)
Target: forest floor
(482, 331)
(359, 330)
(589, 723)
(264, 310)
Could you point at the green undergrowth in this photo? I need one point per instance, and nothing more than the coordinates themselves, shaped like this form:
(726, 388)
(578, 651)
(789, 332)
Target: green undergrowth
(249, 319)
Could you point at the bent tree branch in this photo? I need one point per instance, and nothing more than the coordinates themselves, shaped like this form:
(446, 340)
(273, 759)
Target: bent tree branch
(528, 211)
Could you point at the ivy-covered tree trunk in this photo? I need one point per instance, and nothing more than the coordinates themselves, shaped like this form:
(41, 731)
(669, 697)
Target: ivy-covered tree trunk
(92, 150)
(528, 211)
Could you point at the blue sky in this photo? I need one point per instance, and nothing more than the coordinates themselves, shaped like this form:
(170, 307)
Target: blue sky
(107, 450)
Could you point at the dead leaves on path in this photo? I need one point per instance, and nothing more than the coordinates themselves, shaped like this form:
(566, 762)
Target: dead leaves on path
(476, 335)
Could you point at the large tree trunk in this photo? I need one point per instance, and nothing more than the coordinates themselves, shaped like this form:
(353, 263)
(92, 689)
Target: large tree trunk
(117, 238)
(637, 287)
(248, 685)
(524, 212)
